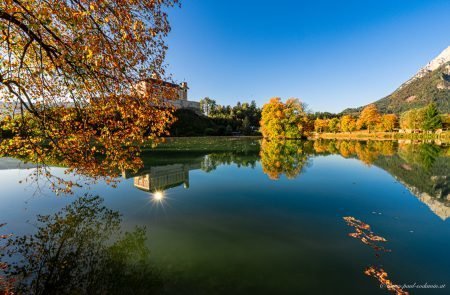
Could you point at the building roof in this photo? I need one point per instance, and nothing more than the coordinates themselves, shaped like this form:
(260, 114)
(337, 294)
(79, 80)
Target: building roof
(162, 82)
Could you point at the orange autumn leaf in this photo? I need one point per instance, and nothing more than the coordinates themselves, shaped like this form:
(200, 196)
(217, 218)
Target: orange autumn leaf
(382, 277)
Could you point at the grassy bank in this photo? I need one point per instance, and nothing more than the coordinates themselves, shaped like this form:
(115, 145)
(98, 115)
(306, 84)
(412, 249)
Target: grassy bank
(208, 143)
(364, 135)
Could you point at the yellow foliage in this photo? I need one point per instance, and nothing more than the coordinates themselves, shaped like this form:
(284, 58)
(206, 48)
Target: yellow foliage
(368, 118)
(282, 120)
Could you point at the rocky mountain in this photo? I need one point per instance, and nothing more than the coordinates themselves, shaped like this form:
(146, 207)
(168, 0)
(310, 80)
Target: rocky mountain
(440, 60)
(430, 84)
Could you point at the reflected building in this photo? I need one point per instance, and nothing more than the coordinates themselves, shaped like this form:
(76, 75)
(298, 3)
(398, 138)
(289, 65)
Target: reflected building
(164, 170)
(12, 163)
(160, 178)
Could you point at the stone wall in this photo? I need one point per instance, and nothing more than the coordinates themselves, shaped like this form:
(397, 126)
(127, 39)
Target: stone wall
(186, 104)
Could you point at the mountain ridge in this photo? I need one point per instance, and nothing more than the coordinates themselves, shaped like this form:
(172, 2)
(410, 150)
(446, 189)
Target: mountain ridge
(434, 64)
(430, 84)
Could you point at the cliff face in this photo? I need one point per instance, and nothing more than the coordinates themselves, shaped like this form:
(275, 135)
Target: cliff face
(430, 84)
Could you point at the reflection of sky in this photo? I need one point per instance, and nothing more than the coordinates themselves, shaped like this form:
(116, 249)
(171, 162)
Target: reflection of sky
(238, 221)
(20, 202)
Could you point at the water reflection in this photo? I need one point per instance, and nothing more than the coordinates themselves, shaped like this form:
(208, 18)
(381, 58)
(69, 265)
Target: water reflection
(212, 161)
(6, 283)
(160, 178)
(421, 167)
(174, 171)
(231, 228)
(283, 157)
(80, 250)
(366, 151)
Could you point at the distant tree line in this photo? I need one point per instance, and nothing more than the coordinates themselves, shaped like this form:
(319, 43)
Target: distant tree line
(292, 120)
(217, 120)
(426, 118)
(243, 118)
(421, 119)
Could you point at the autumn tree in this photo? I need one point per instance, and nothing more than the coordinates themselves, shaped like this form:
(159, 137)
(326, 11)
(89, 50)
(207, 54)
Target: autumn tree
(321, 125)
(426, 118)
(308, 124)
(412, 119)
(368, 118)
(282, 120)
(68, 71)
(333, 125)
(388, 122)
(348, 123)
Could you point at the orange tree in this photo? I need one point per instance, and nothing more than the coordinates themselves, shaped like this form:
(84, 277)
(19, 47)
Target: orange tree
(348, 123)
(388, 122)
(368, 118)
(282, 120)
(334, 125)
(68, 70)
(321, 125)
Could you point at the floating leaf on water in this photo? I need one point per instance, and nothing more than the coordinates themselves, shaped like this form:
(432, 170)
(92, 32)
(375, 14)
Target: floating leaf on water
(382, 277)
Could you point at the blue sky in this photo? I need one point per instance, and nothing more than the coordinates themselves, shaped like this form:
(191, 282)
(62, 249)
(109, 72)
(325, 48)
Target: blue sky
(330, 54)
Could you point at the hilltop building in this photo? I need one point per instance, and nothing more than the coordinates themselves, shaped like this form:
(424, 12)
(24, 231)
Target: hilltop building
(176, 94)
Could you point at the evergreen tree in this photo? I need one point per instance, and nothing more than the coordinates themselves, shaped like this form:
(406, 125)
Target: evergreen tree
(246, 128)
(228, 130)
(432, 119)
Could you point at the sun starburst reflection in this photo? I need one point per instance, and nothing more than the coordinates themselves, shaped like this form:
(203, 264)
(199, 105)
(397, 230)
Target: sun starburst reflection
(158, 196)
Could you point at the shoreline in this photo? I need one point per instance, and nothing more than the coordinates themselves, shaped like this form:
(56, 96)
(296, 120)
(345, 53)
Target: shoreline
(444, 136)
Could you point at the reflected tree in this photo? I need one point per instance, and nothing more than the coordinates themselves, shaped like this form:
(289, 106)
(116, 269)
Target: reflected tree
(346, 149)
(283, 157)
(79, 250)
(6, 284)
(424, 168)
(423, 155)
(366, 151)
(212, 161)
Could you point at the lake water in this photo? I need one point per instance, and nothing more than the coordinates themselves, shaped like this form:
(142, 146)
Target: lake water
(250, 219)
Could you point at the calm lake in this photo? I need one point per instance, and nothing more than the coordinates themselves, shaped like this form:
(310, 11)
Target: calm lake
(237, 217)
